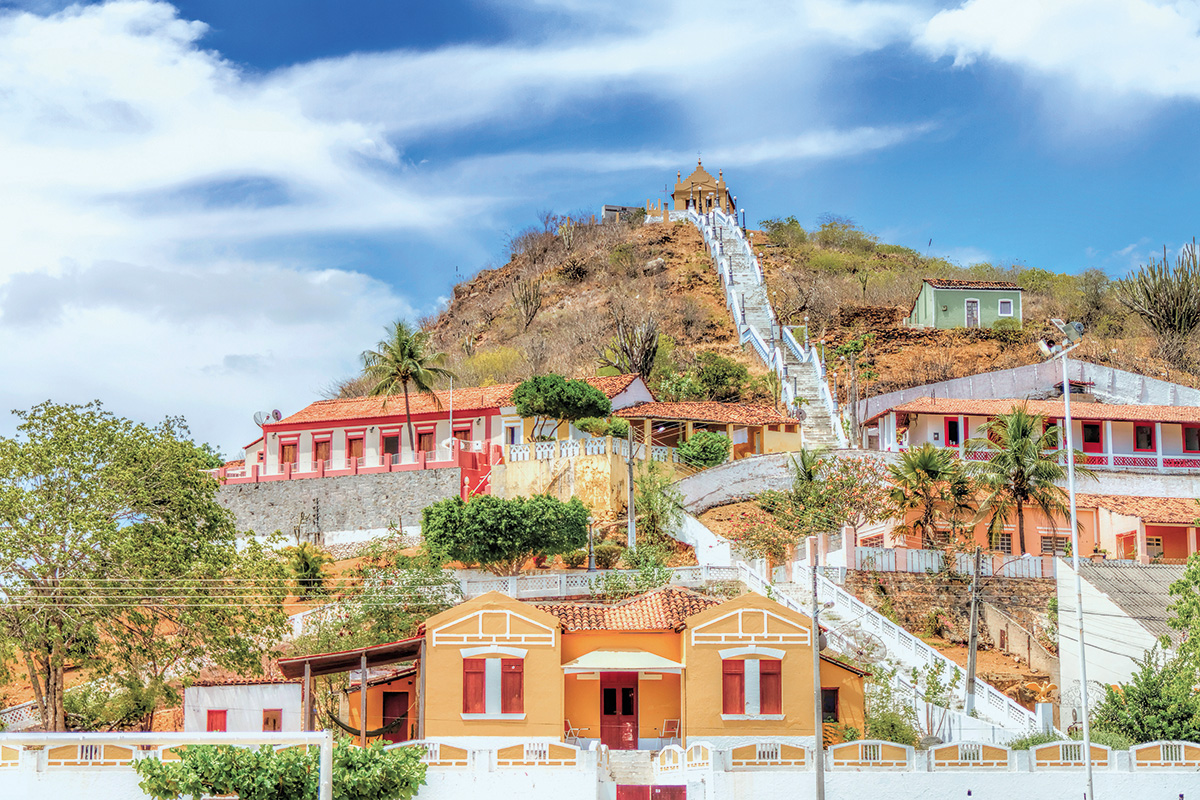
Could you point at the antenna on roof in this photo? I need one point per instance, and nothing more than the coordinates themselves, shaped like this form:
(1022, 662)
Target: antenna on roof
(260, 417)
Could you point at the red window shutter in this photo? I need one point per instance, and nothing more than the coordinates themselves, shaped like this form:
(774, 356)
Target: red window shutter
(473, 685)
(733, 687)
(216, 721)
(512, 686)
(770, 686)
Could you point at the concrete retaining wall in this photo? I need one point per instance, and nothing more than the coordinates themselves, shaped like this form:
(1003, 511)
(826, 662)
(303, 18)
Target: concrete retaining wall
(321, 508)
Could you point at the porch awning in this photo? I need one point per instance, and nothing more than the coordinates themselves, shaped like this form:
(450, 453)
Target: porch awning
(622, 661)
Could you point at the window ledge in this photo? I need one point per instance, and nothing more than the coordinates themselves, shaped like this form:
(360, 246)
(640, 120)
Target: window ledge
(493, 716)
(752, 716)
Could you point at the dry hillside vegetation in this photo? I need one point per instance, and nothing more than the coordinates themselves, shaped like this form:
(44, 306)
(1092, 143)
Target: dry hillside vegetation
(848, 283)
(553, 306)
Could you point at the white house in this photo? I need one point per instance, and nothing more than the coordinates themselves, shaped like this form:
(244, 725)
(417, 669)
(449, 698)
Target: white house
(243, 705)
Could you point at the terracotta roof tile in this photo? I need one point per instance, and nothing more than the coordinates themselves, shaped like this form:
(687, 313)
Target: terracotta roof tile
(952, 283)
(1154, 510)
(475, 398)
(709, 411)
(1050, 408)
(664, 609)
(243, 681)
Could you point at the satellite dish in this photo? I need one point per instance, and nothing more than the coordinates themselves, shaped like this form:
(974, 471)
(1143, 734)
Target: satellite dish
(801, 414)
(276, 415)
(260, 417)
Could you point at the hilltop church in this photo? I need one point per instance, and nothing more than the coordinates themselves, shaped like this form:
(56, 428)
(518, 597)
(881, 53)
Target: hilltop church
(702, 192)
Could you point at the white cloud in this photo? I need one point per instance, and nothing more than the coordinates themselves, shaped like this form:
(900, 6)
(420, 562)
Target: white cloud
(1107, 47)
(141, 175)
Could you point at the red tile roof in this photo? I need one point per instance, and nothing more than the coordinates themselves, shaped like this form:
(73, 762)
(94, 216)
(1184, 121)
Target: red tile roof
(244, 681)
(1154, 510)
(475, 398)
(1049, 408)
(708, 411)
(664, 609)
(951, 283)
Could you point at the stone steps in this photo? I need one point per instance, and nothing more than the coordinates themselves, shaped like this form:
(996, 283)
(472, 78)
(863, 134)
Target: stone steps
(631, 767)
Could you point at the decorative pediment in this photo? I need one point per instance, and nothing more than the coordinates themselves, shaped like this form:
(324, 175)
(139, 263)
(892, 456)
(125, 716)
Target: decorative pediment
(492, 626)
(751, 626)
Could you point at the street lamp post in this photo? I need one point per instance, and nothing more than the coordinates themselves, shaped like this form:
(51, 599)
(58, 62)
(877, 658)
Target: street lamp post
(591, 551)
(1073, 332)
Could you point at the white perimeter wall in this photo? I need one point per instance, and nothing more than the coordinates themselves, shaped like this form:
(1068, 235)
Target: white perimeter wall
(244, 706)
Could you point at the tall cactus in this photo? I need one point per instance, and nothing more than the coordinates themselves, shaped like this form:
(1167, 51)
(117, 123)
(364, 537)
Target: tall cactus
(1168, 300)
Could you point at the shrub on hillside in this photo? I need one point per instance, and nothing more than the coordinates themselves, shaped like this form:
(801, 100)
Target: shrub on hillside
(607, 555)
(705, 449)
(575, 559)
(599, 426)
(721, 378)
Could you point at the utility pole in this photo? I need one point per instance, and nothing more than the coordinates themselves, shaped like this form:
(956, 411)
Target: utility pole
(973, 641)
(818, 705)
(631, 524)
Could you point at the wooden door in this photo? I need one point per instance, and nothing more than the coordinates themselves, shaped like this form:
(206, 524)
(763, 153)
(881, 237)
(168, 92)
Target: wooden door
(972, 313)
(425, 442)
(668, 793)
(216, 721)
(626, 792)
(395, 708)
(354, 448)
(287, 453)
(321, 451)
(619, 710)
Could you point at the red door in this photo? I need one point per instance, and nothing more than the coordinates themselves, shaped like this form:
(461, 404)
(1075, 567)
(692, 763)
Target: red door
(633, 792)
(216, 721)
(1093, 437)
(395, 709)
(619, 710)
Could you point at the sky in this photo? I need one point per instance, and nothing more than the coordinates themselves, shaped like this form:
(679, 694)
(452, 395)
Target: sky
(213, 207)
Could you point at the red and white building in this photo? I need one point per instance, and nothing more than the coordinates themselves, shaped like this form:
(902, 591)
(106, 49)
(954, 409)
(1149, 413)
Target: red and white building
(465, 428)
(1120, 437)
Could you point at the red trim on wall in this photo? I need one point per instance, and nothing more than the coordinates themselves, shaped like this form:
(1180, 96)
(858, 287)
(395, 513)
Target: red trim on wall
(364, 422)
(946, 432)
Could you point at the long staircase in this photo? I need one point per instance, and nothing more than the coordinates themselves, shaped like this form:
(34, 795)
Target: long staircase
(799, 366)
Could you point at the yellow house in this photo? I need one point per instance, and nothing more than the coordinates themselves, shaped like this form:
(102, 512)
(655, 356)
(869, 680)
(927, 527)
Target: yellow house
(668, 665)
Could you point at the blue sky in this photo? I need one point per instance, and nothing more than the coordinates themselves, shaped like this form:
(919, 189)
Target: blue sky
(211, 207)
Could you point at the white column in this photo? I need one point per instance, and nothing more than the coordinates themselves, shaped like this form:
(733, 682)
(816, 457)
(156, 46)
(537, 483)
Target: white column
(962, 434)
(1108, 441)
(891, 428)
(1158, 444)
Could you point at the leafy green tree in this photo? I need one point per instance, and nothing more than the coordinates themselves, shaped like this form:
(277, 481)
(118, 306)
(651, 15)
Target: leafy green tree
(306, 562)
(406, 357)
(553, 398)
(705, 449)
(930, 480)
(1022, 469)
(293, 773)
(1168, 301)
(657, 504)
(722, 379)
(784, 232)
(599, 426)
(1185, 610)
(1158, 702)
(116, 556)
(502, 535)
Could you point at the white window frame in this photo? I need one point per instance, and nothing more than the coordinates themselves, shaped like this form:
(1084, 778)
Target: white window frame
(1154, 543)
(1000, 307)
(978, 311)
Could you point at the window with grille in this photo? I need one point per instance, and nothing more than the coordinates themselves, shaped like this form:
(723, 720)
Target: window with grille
(1004, 545)
(1055, 545)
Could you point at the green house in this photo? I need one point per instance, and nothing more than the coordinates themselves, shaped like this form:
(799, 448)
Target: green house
(945, 303)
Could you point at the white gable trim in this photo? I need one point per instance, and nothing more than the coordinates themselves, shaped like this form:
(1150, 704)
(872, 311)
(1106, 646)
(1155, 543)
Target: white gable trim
(752, 650)
(801, 636)
(475, 652)
(492, 640)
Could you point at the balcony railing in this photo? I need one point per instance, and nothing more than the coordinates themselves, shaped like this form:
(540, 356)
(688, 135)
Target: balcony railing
(1164, 462)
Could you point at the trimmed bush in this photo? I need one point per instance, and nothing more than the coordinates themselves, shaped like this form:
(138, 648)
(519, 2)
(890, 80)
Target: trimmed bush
(705, 449)
(607, 555)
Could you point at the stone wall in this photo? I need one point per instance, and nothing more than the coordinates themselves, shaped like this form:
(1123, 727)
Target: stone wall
(317, 507)
(912, 596)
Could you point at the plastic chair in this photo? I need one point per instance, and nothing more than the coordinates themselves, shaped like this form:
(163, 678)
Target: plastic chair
(571, 733)
(670, 730)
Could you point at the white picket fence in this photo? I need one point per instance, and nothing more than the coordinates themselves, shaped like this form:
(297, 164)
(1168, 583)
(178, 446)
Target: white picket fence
(576, 583)
(900, 559)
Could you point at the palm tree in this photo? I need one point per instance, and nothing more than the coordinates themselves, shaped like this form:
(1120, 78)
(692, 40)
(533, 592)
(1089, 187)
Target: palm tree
(1023, 469)
(405, 357)
(925, 478)
(807, 468)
